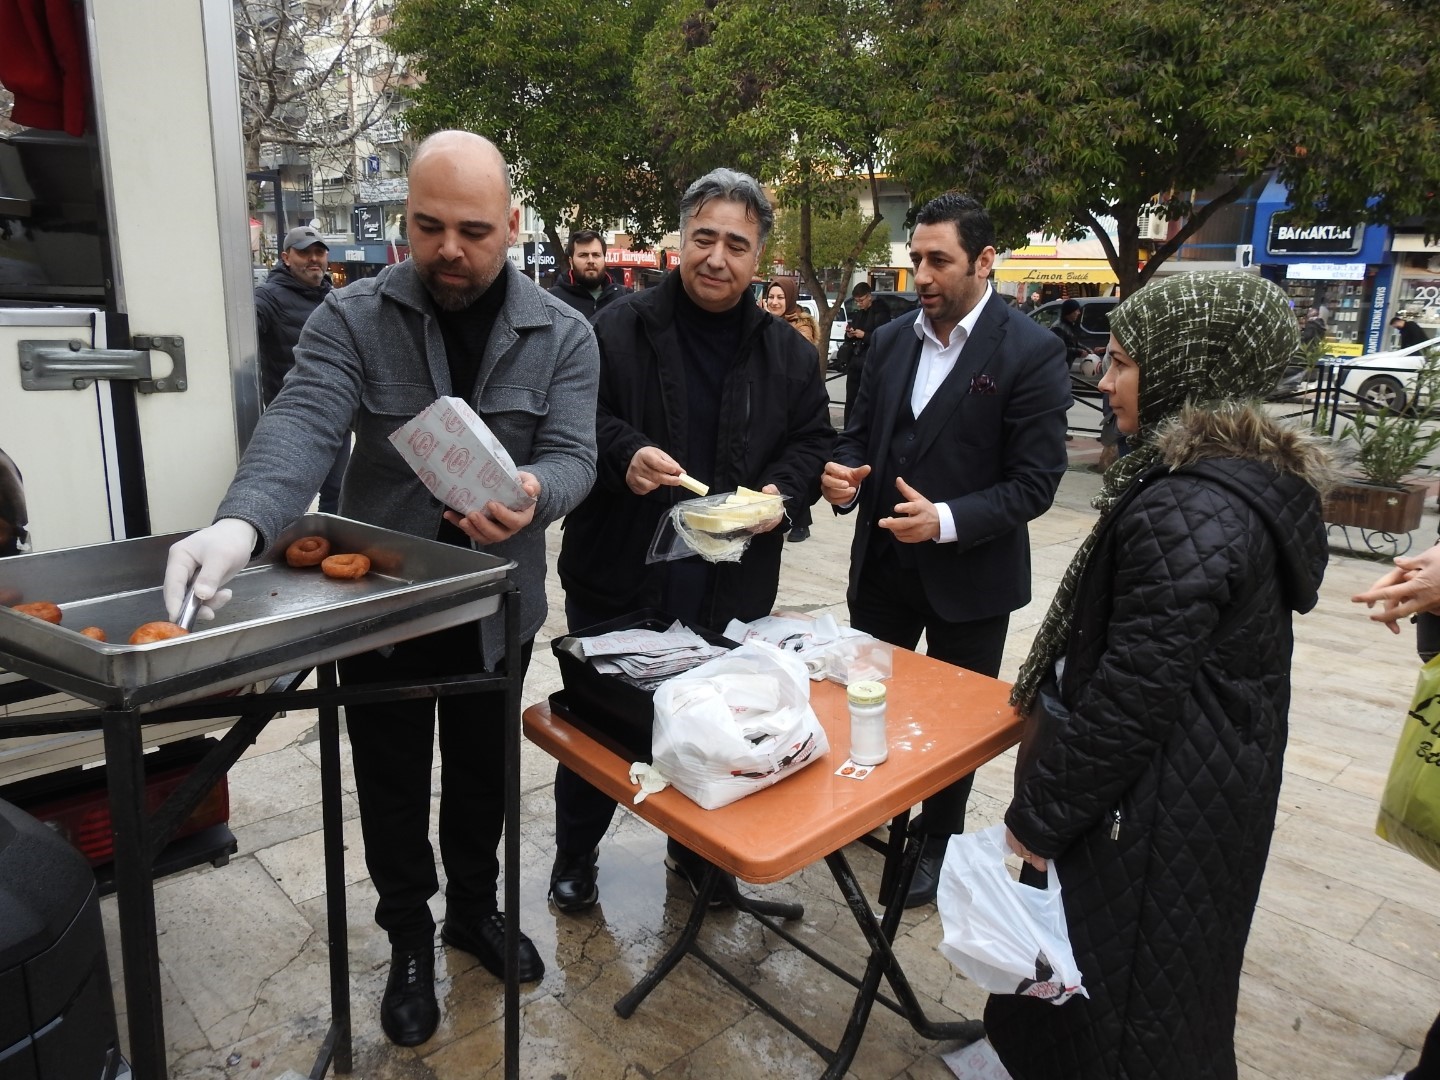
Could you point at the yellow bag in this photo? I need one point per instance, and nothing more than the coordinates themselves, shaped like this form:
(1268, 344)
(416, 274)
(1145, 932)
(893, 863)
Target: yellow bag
(1410, 806)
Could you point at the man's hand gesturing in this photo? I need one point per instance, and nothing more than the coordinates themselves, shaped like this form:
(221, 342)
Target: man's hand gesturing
(839, 483)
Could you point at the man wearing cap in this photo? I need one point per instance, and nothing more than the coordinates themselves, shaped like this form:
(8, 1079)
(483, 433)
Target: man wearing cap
(283, 301)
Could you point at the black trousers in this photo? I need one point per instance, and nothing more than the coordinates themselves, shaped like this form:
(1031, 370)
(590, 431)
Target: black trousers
(582, 811)
(890, 604)
(1428, 1067)
(391, 744)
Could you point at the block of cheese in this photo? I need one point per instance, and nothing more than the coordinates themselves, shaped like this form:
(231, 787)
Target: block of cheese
(740, 509)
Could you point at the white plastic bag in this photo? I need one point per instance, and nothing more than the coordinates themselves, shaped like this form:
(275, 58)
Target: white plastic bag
(736, 724)
(1005, 937)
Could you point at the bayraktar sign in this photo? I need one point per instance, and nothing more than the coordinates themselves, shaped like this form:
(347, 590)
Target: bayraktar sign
(1286, 238)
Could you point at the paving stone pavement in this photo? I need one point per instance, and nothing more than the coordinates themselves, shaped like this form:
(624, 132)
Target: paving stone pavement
(1341, 978)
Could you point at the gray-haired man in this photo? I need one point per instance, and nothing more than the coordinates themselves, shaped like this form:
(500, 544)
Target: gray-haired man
(695, 378)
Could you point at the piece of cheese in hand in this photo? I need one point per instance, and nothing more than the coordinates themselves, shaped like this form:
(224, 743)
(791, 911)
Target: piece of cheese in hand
(689, 483)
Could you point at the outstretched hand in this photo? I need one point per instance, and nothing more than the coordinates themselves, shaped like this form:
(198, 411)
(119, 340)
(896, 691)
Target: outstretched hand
(1412, 587)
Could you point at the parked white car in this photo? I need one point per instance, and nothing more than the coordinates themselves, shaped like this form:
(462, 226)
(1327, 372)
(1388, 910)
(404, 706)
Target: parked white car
(1383, 379)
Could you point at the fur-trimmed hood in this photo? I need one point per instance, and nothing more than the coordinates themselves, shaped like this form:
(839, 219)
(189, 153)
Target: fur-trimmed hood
(1279, 470)
(1241, 430)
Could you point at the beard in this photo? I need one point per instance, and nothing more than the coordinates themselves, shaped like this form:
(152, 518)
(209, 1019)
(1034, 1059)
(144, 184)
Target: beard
(589, 278)
(450, 297)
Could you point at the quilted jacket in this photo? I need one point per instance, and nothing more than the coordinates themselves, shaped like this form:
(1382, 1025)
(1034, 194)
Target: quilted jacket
(1156, 799)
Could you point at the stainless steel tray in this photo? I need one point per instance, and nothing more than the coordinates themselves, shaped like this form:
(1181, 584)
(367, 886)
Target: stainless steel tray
(280, 618)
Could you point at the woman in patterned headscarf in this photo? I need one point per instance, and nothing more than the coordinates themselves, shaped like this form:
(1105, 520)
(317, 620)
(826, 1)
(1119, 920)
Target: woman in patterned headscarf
(1157, 690)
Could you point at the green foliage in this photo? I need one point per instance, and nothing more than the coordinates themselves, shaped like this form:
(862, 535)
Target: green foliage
(551, 83)
(1389, 446)
(1095, 110)
(789, 94)
(832, 240)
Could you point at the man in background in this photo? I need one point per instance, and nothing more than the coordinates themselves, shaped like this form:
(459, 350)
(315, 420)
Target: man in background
(283, 301)
(586, 286)
(1411, 332)
(865, 320)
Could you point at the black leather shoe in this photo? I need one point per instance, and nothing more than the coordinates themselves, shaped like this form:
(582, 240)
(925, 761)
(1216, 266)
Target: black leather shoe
(926, 882)
(798, 535)
(409, 1013)
(572, 881)
(484, 939)
(691, 868)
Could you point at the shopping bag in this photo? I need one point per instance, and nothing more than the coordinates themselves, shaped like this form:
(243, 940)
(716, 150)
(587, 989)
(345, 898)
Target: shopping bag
(1410, 806)
(735, 725)
(1004, 937)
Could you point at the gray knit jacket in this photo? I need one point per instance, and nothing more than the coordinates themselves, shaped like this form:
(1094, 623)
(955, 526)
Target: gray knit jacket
(370, 358)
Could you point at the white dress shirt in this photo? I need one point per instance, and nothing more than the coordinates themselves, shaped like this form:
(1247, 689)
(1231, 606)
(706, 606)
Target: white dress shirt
(936, 362)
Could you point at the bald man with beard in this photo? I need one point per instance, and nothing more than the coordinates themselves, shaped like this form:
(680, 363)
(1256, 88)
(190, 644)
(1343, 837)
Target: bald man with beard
(457, 319)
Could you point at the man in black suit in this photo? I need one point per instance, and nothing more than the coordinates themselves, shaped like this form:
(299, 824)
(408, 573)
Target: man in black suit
(959, 426)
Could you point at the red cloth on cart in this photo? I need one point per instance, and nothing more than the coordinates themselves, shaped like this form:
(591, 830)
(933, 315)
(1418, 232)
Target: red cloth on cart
(43, 62)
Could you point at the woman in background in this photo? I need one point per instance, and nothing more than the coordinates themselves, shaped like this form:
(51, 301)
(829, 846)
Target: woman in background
(782, 301)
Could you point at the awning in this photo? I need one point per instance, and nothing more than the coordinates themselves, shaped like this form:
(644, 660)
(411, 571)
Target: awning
(1064, 271)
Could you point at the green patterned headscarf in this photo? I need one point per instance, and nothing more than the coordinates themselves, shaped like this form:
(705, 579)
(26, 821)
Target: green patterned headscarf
(1197, 339)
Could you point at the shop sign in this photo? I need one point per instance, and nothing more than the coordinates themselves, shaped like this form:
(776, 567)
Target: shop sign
(369, 223)
(353, 255)
(627, 257)
(536, 252)
(1375, 332)
(1286, 238)
(1326, 271)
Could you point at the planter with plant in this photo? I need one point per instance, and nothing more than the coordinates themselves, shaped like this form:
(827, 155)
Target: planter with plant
(1385, 448)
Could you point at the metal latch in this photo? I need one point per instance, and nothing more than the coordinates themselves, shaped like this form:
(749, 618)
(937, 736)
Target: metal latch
(71, 365)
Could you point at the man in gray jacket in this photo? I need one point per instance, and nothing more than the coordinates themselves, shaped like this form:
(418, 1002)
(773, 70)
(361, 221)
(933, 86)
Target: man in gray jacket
(456, 318)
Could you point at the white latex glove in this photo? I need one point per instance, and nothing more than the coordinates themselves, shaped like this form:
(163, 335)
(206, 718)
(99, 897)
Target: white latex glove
(212, 556)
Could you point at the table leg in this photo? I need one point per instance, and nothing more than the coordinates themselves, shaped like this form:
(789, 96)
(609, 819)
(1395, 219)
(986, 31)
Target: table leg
(627, 1005)
(879, 936)
(135, 892)
(337, 1045)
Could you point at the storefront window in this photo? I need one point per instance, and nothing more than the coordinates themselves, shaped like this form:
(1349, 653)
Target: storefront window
(1419, 299)
(1344, 305)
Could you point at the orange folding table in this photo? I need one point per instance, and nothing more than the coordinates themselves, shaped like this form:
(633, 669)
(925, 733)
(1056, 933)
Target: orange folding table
(942, 722)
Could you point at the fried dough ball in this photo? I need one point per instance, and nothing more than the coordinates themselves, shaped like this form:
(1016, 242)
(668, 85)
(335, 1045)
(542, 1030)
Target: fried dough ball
(41, 609)
(156, 631)
(346, 566)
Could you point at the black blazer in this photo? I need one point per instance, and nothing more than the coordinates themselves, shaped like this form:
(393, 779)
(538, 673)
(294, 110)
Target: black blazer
(990, 444)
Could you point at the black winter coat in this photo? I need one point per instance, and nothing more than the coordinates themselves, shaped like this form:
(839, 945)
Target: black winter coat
(774, 429)
(1156, 800)
(578, 297)
(282, 304)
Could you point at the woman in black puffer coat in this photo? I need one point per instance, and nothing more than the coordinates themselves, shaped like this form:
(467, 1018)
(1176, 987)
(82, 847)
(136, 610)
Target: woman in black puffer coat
(1154, 789)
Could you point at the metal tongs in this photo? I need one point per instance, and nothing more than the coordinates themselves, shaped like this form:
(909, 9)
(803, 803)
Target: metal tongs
(188, 607)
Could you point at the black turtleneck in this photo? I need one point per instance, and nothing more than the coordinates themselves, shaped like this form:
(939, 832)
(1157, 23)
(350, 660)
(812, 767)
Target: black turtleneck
(710, 344)
(466, 333)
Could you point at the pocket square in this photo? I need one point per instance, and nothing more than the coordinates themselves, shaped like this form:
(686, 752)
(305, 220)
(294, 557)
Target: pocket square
(982, 384)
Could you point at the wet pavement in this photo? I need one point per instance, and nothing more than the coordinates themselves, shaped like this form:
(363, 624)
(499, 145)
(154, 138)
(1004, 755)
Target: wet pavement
(1342, 974)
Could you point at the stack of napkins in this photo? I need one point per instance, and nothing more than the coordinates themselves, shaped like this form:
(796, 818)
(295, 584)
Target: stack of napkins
(646, 658)
(459, 458)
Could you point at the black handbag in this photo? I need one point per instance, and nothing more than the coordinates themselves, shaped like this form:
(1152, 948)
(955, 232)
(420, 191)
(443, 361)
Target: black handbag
(1043, 722)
